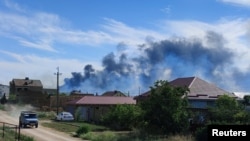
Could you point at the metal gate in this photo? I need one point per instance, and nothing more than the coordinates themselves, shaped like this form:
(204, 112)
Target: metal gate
(9, 132)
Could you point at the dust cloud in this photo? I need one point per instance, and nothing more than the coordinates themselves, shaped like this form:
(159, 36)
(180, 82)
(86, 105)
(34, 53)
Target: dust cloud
(15, 110)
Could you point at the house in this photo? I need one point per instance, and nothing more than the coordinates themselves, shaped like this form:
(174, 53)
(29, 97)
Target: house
(28, 91)
(202, 94)
(22, 85)
(92, 108)
(113, 93)
(80, 94)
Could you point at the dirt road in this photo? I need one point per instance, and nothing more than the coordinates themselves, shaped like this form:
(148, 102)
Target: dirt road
(39, 134)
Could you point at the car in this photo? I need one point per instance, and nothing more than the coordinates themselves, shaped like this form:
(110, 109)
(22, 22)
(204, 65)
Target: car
(64, 116)
(28, 118)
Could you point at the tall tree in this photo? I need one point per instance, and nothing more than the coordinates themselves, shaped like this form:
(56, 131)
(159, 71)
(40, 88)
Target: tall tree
(228, 110)
(164, 112)
(3, 99)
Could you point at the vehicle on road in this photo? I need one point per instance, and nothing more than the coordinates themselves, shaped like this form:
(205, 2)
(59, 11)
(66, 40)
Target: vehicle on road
(64, 116)
(28, 118)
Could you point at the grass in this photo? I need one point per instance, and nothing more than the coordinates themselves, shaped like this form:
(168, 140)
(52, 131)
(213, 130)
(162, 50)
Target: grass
(11, 135)
(114, 136)
(101, 133)
(70, 127)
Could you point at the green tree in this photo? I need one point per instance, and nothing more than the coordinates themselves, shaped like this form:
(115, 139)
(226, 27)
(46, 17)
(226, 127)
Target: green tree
(228, 110)
(3, 99)
(78, 114)
(121, 117)
(165, 111)
(247, 100)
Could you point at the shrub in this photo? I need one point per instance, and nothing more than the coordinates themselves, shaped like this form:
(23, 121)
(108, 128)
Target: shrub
(78, 114)
(46, 115)
(201, 134)
(106, 136)
(103, 136)
(82, 130)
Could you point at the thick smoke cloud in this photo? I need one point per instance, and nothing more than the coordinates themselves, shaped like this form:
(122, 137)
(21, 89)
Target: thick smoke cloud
(181, 56)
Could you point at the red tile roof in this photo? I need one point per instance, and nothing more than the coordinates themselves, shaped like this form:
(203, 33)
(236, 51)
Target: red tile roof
(102, 100)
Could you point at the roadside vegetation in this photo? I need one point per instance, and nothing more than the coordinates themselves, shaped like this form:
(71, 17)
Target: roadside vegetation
(10, 135)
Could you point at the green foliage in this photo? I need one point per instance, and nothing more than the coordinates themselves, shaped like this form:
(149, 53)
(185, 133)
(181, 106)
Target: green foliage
(165, 110)
(247, 99)
(106, 136)
(122, 117)
(12, 97)
(201, 134)
(26, 138)
(103, 136)
(2, 107)
(10, 135)
(46, 115)
(3, 99)
(78, 114)
(228, 110)
(226, 102)
(82, 130)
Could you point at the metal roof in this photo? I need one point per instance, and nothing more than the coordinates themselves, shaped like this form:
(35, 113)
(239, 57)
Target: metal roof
(199, 89)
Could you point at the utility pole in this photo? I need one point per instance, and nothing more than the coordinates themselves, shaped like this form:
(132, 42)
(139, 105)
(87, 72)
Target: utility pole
(57, 89)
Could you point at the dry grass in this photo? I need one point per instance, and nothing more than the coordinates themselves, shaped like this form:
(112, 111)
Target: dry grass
(180, 138)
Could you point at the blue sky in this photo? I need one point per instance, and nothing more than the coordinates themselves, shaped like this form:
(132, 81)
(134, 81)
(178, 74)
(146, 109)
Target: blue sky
(125, 45)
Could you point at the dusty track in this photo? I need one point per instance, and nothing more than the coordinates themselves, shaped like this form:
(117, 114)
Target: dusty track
(39, 134)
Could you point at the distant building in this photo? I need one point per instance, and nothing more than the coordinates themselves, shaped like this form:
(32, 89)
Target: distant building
(4, 89)
(22, 85)
(113, 93)
(29, 91)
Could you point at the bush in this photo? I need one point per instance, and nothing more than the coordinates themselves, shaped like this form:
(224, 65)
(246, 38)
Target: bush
(2, 107)
(78, 114)
(46, 115)
(122, 117)
(201, 134)
(82, 130)
(103, 136)
(106, 136)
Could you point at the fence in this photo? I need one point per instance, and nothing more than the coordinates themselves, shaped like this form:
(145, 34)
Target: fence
(9, 132)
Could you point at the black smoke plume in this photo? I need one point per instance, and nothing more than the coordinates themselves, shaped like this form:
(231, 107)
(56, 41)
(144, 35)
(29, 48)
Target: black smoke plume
(182, 57)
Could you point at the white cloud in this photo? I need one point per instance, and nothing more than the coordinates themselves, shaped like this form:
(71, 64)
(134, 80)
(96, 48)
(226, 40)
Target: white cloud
(133, 35)
(244, 3)
(40, 30)
(167, 10)
(37, 67)
(14, 6)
